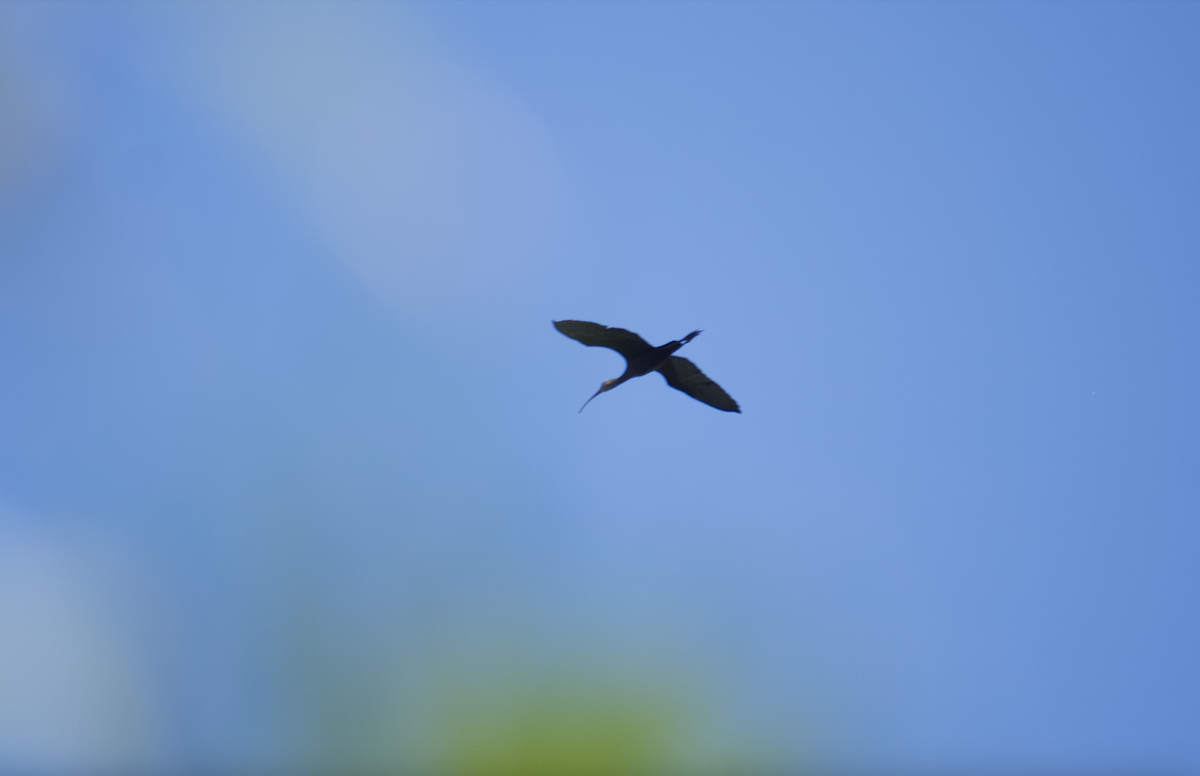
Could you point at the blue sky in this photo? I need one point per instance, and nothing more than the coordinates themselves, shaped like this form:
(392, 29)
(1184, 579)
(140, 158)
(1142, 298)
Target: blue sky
(290, 462)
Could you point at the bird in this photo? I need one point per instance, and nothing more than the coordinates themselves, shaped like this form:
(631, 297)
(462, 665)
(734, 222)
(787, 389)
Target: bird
(642, 358)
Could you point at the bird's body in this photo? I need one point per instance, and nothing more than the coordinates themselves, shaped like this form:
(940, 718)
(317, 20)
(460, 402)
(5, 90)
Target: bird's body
(642, 358)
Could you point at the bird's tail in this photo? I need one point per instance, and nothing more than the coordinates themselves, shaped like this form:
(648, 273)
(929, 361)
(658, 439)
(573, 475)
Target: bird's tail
(688, 338)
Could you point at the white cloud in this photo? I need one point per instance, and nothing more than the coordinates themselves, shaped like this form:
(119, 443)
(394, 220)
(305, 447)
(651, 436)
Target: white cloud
(432, 183)
(71, 697)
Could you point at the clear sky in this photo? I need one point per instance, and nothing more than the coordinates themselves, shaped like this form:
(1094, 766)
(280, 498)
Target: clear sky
(291, 469)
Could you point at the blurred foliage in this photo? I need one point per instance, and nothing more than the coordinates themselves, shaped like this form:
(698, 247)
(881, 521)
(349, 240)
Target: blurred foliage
(563, 729)
(582, 720)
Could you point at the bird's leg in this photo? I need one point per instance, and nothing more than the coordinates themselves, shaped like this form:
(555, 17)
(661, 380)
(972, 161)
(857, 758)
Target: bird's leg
(688, 338)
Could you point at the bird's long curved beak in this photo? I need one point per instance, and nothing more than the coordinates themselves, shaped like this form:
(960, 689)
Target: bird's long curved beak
(594, 395)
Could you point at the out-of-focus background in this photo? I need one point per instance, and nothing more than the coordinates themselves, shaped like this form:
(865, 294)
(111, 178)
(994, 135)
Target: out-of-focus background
(291, 474)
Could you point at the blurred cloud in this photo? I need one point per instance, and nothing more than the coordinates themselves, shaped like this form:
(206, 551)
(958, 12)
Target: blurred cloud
(433, 182)
(73, 698)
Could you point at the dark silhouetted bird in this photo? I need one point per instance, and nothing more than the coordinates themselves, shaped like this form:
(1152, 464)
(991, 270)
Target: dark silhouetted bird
(642, 358)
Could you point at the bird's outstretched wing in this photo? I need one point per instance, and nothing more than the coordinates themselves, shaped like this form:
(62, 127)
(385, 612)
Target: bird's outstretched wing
(683, 375)
(624, 342)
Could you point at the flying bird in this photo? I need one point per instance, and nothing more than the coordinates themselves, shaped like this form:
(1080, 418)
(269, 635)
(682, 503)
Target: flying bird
(642, 358)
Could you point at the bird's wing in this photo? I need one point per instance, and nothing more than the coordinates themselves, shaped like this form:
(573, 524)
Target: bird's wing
(624, 342)
(683, 375)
